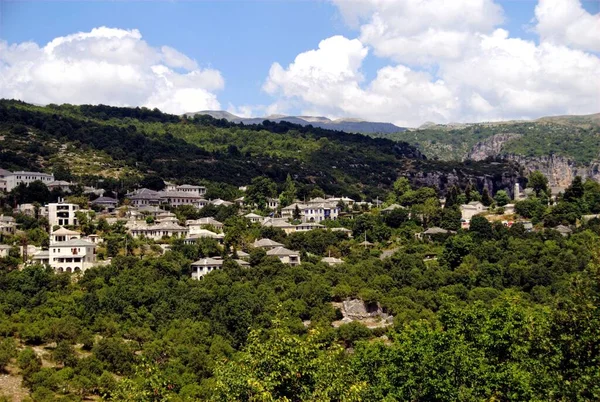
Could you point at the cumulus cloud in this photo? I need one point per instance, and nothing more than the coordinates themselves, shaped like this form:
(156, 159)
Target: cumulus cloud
(566, 22)
(421, 31)
(107, 66)
(453, 65)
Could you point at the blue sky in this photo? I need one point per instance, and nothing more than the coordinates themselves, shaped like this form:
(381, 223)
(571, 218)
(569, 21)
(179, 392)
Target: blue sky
(240, 39)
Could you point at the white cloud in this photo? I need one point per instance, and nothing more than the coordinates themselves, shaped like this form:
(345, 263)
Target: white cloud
(421, 31)
(109, 66)
(481, 73)
(566, 22)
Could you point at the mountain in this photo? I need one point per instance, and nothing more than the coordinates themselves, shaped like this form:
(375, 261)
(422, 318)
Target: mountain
(348, 125)
(559, 146)
(91, 141)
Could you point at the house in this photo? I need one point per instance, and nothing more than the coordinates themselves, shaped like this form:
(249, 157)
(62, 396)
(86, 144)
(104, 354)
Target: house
(166, 216)
(4, 250)
(72, 255)
(272, 203)
(144, 197)
(3, 174)
(392, 207)
(62, 214)
(471, 209)
(106, 203)
(150, 210)
(285, 256)
(280, 223)
(30, 210)
(191, 189)
(289, 211)
(267, 244)
(433, 231)
(314, 212)
(203, 233)
(11, 180)
(331, 261)
(243, 255)
(7, 225)
(43, 258)
(205, 266)
(347, 232)
(62, 234)
(197, 224)
(61, 185)
(177, 198)
(158, 231)
(306, 226)
(563, 230)
(509, 209)
(254, 218)
(220, 203)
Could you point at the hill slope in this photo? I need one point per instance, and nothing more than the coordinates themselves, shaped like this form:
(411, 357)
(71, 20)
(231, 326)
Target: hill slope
(203, 148)
(561, 146)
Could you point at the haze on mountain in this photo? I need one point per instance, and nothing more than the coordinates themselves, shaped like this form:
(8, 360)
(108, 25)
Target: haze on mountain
(349, 125)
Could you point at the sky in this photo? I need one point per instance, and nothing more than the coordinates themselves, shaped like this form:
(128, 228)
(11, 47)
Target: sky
(402, 61)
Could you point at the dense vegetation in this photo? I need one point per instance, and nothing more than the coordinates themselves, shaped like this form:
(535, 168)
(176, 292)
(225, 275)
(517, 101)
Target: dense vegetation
(487, 314)
(577, 138)
(96, 142)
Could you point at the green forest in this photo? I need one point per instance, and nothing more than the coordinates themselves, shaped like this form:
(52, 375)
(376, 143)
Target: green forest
(489, 313)
(92, 143)
(577, 138)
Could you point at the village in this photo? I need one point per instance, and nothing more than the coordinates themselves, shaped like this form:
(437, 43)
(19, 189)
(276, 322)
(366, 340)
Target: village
(149, 217)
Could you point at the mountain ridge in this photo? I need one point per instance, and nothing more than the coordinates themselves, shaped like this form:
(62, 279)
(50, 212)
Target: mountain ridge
(349, 125)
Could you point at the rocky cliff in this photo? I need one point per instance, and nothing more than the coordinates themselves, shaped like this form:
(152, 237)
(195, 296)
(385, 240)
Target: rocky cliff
(490, 147)
(559, 170)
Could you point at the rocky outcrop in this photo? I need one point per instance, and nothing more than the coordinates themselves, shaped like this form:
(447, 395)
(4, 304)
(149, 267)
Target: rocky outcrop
(490, 147)
(559, 170)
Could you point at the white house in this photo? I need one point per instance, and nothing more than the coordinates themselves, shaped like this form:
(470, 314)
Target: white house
(204, 266)
(471, 209)
(62, 214)
(144, 197)
(72, 255)
(62, 234)
(254, 218)
(285, 256)
(156, 232)
(65, 186)
(318, 212)
(13, 179)
(202, 233)
(267, 244)
(177, 198)
(198, 224)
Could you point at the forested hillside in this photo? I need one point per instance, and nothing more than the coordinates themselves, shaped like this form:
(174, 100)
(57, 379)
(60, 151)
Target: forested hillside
(98, 141)
(501, 314)
(573, 137)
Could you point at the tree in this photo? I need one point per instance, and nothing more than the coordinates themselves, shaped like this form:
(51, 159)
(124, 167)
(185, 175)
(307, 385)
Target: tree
(289, 193)
(153, 182)
(480, 227)
(297, 214)
(396, 217)
(64, 354)
(538, 182)
(450, 218)
(502, 198)
(575, 191)
(259, 190)
(401, 186)
(486, 199)
(280, 366)
(8, 350)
